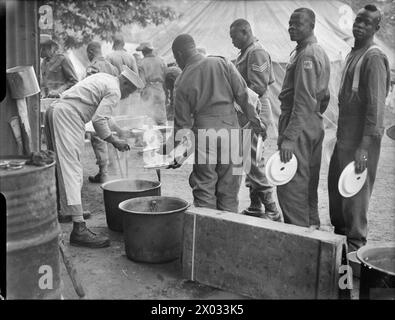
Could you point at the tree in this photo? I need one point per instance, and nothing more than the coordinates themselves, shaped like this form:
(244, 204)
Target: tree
(78, 22)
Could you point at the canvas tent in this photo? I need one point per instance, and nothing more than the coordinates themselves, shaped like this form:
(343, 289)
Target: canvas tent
(208, 22)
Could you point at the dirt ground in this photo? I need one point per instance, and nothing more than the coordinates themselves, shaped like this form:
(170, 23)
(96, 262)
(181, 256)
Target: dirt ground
(108, 274)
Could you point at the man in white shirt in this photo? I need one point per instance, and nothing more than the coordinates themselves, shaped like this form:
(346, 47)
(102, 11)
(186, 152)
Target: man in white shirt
(92, 99)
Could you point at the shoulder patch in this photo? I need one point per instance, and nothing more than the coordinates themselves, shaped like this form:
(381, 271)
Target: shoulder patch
(307, 64)
(259, 68)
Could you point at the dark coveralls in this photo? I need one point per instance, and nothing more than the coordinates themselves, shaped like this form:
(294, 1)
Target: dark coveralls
(204, 99)
(255, 66)
(57, 74)
(360, 114)
(100, 64)
(304, 97)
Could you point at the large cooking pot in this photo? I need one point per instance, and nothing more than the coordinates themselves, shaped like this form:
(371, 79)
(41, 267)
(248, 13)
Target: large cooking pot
(377, 278)
(116, 191)
(153, 228)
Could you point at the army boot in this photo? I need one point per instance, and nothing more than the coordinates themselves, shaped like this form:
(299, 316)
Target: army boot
(271, 210)
(81, 236)
(255, 208)
(101, 177)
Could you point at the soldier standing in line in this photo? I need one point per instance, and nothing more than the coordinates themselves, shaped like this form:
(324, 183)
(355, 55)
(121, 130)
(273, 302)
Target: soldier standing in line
(255, 66)
(304, 97)
(360, 126)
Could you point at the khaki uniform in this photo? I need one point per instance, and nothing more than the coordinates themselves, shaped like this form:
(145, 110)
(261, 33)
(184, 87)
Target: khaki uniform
(361, 114)
(118, 58)
(100, 148)
(152, 70)
(304, 97)
(93, 98)
(255, 66)
(57, 74)
(99, 64)
(205, 93)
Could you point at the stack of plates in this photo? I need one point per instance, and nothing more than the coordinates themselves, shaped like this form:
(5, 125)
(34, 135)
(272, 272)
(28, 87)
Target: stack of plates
(351, 183)
(278, 172)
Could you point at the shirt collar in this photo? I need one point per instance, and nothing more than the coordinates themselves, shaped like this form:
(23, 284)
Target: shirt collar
(195, 58)
(305, 42)
(367, 45)
(245, 49)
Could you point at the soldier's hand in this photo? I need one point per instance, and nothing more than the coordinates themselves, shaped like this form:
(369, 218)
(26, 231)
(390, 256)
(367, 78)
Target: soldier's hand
(261, 131)
(121, 145)
(286, 150)
(361, 160)
(174, 165)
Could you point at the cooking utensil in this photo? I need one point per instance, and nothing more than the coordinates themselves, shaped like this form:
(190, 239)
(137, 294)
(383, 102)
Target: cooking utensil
(116, 191)
(119, 162)
(23, 83)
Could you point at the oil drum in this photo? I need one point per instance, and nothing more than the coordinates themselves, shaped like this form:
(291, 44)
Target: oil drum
(33, 269)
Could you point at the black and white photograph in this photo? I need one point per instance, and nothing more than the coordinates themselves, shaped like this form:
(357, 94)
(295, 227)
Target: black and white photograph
(197, 154)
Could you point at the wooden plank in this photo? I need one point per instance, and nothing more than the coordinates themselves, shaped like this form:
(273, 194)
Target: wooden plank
(260, 258)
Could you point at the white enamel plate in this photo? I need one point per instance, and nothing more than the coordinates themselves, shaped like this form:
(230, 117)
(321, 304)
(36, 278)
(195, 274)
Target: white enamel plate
(351, 183)
(279, 173)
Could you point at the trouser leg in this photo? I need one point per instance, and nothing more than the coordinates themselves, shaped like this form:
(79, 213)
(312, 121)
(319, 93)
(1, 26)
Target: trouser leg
(203, 180)
(315, 166)
(101, 152)
(64, 208)
(354, 209)
(294, 196)
(256, 177)
(261, 191)
(335, 198)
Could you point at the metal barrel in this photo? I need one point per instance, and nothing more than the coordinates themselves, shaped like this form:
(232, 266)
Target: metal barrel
(33, 269)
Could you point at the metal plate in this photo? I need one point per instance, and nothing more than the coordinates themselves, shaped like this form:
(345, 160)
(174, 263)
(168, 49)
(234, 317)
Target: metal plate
(280, 173)
(351, 183)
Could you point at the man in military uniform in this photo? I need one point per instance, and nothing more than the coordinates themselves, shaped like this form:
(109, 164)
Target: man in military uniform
(152, 70)
(255, 66)
(364, 87)
(57, 71)
(119, 56)
(304, 97)
(99, 64)
(91, 99)
(205, 93)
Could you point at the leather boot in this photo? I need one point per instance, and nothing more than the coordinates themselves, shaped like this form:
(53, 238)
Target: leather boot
(81, 236)
(68, 218)
(255, 208)
(100, 177)
(271, 210)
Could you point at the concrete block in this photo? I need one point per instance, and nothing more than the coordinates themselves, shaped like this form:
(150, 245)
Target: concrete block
(260, 258)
